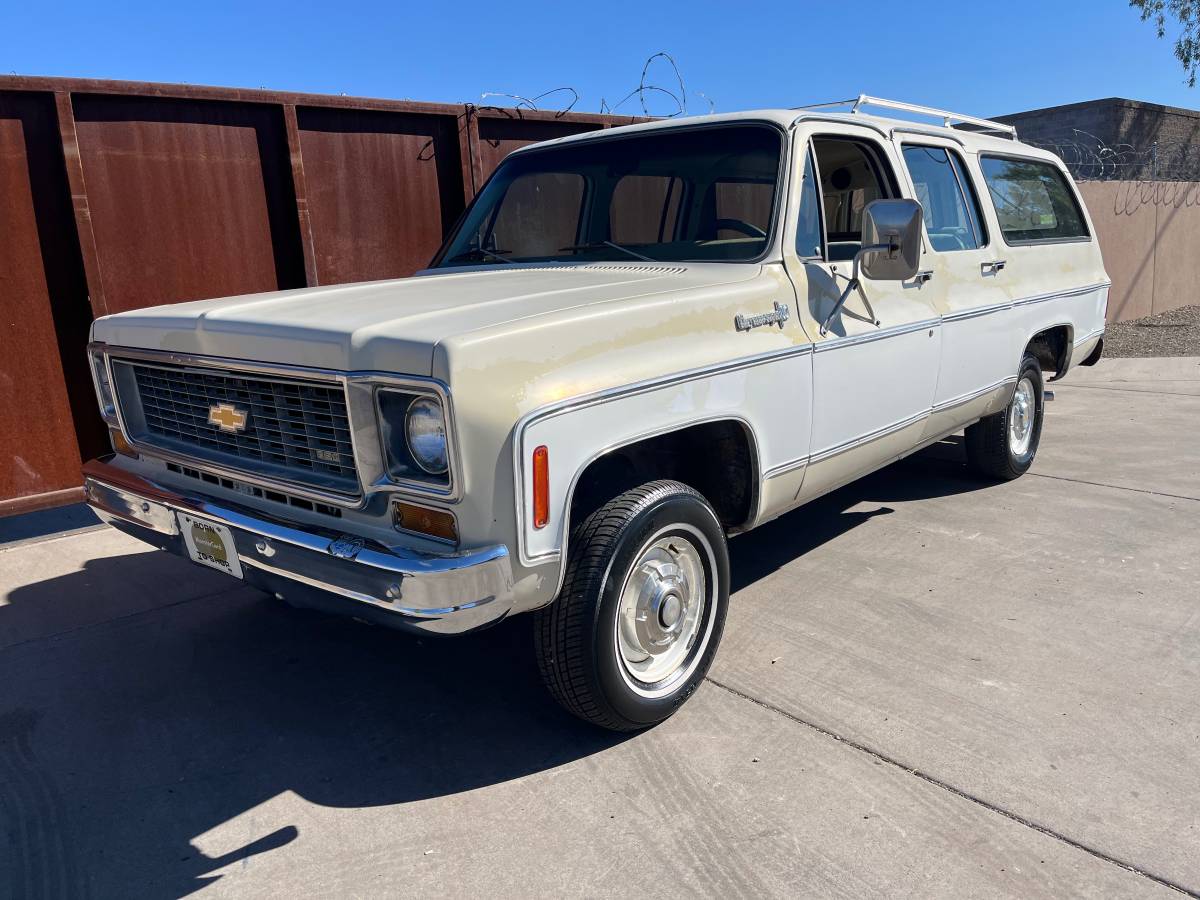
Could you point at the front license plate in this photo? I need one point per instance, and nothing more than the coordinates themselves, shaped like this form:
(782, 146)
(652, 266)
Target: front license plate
(210, 544)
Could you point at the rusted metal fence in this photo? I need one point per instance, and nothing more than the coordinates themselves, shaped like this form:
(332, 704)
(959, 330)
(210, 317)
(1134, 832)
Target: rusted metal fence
(119, 195)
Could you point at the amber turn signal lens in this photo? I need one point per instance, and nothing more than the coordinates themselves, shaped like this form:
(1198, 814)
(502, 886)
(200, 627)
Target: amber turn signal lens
(120, 444)
(436, 523)
(541, 487)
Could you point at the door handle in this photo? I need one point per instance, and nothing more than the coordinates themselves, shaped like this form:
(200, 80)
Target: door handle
(924, 275)
(992, 268)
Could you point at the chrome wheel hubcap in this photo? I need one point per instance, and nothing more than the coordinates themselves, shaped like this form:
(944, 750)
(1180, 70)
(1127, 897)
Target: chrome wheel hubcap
(660, 610)
(1021, 414)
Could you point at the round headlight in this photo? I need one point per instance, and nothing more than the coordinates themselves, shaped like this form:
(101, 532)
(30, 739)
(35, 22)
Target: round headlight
(425, 427)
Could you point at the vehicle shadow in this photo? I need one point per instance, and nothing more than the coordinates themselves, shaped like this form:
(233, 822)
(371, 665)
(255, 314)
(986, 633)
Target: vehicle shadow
(937, 471)
(125, 740)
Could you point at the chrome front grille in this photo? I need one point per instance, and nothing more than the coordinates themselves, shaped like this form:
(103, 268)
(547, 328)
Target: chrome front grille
(294, 430)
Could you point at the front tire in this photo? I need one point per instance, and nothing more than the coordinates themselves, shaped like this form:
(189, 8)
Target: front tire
(642, 608)
(1002, 446)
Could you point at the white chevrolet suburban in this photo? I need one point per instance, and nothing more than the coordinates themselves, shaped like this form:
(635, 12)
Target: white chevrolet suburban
(635, 344)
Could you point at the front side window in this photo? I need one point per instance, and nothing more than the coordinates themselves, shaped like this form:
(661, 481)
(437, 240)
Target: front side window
(948, 200)
(850, 179)
(681, 195)
(1033, 200)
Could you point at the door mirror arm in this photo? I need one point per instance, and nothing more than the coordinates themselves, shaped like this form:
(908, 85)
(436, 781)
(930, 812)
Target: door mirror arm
(891, 250)
(855, 282)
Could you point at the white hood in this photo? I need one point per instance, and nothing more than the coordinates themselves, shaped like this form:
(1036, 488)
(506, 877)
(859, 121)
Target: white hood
(391, 326)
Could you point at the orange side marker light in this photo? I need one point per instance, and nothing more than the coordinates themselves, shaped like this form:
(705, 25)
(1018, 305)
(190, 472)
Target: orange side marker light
(541, 487)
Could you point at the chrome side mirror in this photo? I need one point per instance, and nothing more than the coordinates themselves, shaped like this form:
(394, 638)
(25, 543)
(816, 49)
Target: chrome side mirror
(891, 250)
(891, 240)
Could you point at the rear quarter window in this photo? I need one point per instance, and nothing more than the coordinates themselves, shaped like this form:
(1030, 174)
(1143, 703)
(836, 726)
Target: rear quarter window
(1033, 201)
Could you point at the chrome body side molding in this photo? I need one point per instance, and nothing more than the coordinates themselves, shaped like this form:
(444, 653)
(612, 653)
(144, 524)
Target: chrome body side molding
(869, 337)
(861, 440)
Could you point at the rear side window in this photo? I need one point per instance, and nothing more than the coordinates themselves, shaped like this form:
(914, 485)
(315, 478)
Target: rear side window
(947, 198)
(1033, 200)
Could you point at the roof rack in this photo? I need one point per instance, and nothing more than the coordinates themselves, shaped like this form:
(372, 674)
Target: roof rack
(948, 118)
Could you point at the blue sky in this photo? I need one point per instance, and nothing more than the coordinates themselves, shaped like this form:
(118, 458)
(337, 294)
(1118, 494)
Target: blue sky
(985, 59)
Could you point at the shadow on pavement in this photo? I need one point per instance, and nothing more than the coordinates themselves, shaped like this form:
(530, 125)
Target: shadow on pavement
(937, 471)
(123, 742)
(46, 522)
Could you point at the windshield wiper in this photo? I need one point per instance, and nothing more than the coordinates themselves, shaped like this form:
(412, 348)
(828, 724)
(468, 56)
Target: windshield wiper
(596, 245)
(481, 252)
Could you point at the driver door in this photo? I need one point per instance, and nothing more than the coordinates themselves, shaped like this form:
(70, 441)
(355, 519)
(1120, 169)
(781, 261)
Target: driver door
(875, 368)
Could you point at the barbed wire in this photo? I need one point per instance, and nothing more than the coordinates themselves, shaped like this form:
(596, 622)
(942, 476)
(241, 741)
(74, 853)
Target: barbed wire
(531, 103)
(644, 88)
(677, 93)
(1089, 158)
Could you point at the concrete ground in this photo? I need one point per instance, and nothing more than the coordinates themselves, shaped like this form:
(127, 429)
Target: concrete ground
(928, 686)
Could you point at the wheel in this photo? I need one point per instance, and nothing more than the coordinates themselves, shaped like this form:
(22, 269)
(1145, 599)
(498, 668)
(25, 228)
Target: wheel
(1003, 445)
(641, 611)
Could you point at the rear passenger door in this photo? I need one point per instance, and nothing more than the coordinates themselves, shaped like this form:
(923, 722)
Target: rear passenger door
(967, 280)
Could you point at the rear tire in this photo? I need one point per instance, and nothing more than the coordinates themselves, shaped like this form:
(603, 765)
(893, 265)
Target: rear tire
(642, 608)
(1002, 446)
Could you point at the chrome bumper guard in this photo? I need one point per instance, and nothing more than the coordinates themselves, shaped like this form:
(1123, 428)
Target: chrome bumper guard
(434, 593)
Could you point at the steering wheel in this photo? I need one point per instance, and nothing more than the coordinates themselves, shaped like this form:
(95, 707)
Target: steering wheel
(740, 226)
(947, 235)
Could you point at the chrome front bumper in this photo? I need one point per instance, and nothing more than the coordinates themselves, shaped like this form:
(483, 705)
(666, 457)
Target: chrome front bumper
(447, 593)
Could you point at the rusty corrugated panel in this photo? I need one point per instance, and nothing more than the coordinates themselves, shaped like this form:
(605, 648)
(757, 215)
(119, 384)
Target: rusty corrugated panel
(383, 189)
(501, 131)
(40, 276)
(101, 86)
(178, 192)
(189, 199)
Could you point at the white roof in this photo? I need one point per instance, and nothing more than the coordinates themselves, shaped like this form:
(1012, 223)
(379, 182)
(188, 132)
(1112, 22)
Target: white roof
(786, 118)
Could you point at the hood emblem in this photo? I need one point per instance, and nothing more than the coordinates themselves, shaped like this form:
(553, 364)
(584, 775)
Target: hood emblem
(228, 417)
(778, 317)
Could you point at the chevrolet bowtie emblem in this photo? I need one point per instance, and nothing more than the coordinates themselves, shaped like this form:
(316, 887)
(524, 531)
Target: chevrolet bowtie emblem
(227, 417)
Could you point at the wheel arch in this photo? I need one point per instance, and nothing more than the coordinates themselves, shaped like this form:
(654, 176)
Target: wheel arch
(575, 507)
(652, 440)
(1053, 346)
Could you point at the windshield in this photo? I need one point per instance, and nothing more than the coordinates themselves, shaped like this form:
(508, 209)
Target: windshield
(686, 195)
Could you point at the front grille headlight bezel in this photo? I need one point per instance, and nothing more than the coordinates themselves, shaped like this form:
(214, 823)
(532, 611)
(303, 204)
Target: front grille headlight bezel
(402, 466)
